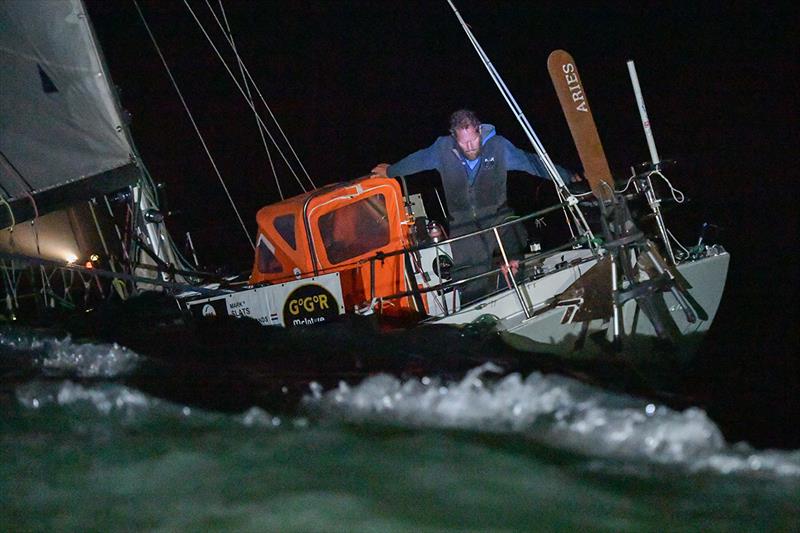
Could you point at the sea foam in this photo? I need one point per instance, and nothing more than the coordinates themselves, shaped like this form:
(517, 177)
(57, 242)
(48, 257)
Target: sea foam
(63, 357)
(556, 411)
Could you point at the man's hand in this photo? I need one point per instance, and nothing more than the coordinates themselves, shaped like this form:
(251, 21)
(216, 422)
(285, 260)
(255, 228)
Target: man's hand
(576, 178)
(513, 266)
(381, 169)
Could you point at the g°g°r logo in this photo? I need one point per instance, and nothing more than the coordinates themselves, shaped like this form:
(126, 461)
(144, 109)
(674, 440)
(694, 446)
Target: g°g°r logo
(309, 304)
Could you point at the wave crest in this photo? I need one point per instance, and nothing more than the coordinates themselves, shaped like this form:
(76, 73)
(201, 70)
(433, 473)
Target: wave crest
(63, 357)
(556, 411)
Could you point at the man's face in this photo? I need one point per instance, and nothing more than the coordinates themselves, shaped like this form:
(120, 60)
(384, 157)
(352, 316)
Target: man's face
(469, 140)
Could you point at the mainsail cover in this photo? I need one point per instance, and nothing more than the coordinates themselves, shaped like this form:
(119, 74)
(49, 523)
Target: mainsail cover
(61, 135)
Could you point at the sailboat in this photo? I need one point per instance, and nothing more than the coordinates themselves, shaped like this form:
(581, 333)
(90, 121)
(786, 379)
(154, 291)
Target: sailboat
(368, 247)
(365, 246)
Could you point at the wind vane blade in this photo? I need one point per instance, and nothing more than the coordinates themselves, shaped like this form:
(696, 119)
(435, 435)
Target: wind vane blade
(576, 109)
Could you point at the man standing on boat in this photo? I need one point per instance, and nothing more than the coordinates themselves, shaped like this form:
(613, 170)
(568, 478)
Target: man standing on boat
(473, 162)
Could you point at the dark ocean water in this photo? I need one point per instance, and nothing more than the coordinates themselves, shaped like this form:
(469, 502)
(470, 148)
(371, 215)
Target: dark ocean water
(88, 443)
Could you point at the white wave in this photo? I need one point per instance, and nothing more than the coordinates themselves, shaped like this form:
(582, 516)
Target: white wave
(21, 340)
(125, 404)
(557, 411)
(104, 399)
(131, 405)
(65, 357)
(258, 417)
(255, 416)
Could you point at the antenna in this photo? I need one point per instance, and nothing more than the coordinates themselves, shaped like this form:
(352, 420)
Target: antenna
(648, 131)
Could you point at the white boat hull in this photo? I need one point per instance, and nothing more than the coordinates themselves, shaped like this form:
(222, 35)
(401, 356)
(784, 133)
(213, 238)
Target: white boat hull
(549, 329)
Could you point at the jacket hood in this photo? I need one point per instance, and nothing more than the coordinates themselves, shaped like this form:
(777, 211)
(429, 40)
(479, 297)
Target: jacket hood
(487, 132)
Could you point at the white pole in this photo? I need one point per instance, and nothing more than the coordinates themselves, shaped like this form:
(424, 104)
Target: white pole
(648, 132)
(651, 144)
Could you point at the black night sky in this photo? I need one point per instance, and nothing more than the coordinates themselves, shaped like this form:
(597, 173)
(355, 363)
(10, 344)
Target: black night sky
(361, 82)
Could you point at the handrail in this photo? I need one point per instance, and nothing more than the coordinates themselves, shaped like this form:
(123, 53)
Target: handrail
(513, 281)
(380, 256)
(452, 284)
(40, 261)
(383, 255)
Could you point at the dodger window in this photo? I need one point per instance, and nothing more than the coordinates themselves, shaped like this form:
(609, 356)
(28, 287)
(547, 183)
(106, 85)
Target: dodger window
(267, 262)
(355, 229)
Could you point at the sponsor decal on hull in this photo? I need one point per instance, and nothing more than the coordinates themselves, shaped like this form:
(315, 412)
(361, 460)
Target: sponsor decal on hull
(309, 304)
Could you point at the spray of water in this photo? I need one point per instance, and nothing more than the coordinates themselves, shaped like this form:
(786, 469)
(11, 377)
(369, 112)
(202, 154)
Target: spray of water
(63, 357)
(556, 411)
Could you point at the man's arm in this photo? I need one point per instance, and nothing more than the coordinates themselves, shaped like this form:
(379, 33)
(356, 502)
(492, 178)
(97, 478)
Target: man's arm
(425, 159)
(517, 159)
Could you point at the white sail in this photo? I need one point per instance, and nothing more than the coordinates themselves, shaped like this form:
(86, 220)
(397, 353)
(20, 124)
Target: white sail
(61, 134)
(63, 141)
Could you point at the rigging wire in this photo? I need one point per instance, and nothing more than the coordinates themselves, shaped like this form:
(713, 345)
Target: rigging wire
(260, 95)
(530, 133)
(152, 198)
(194, 124)
(249, 93)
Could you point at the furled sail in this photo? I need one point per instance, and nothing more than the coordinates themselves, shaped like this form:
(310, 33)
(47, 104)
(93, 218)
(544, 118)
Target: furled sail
(62, 138)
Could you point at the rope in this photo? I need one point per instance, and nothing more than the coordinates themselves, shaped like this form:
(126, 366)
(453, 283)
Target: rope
(67, 293)
(194, 124)
(120, 288)
(9, 280)
(238, 86)
(26, 189)
(116, 226)
(249, 95)
(100, 234)
(10, 212)
(627, 185)
(148, 192)
(677, 195)
(676, 241)
(45, 286)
